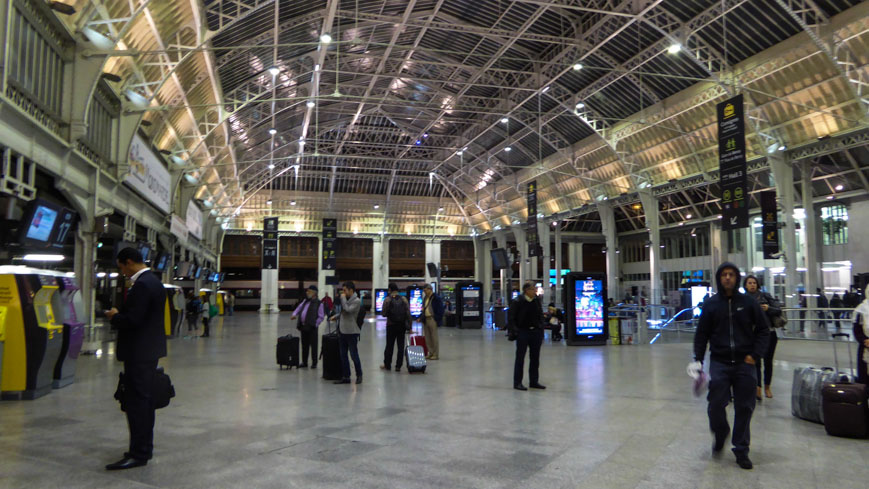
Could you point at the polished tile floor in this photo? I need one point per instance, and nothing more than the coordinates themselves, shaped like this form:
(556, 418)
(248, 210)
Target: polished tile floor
(612, 417)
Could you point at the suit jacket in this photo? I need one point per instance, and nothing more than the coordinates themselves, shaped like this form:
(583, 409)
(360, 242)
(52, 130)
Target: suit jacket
(140, 322)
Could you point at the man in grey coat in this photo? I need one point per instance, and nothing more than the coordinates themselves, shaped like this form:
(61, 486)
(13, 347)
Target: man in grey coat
(348, 332)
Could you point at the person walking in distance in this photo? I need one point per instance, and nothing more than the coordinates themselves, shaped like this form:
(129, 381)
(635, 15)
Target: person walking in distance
(737, 332)
(822, 304)
(525, 325)
(206, 317)
(310, 314)
(772, 309)
(432, 317)
(348, 332)
(230, 304)
(141, 343)
(327, 303)
(194, 310)
(396, 310)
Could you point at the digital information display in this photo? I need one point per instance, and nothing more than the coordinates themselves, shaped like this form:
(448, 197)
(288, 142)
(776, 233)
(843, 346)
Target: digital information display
(470, 301)
(42, 224)
(415, 302)
(379, 297)
(589, 307)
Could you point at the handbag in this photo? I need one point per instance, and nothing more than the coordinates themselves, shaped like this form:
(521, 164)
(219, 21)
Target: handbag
(779, 321)
(163, 391)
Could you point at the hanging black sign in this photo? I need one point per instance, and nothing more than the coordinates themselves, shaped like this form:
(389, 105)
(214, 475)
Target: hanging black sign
(270, 243)
(731, 164)
(330, 239)
(769, 215)
(531, 225)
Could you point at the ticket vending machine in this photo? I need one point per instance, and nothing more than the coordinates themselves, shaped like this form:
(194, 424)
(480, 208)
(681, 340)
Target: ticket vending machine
(380, 295)
(469, 305)
(68, 308)
(175, 306)
(33, 338)
(415, 300)
(2, 336)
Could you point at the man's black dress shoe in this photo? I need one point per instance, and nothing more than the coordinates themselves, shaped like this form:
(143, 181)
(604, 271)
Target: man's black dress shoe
(304, 365)
(126, 463)
(537, 386)
(520, 387)
(342, 381)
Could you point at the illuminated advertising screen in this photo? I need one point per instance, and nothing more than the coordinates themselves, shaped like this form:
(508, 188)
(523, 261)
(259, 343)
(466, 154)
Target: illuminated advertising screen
(379, 296)
(470, 301)
(514, 294)
(415, 302)
(589, 307)
(698, 295)
(42, 224)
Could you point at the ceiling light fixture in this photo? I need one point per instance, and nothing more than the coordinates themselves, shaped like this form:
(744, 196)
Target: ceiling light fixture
(504, 120)
(325, 38)
(274, 70)
(269, 202)
(689, 216)
(110, 77)
(191, 178)
(311, 104)
(577, 67)
(840, 187)
(545, 89)
(36, 257)
(440, 209)
(674, 48)
(459, 153)
(271, 166)
(292, 202)
(273, 131)
(508, 149)
(377, 206)
(580, 105)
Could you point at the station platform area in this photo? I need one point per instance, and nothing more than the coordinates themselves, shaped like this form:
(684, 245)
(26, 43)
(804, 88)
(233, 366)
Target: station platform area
(611, 417)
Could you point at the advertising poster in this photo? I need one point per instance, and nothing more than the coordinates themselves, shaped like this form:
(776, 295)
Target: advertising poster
(330, 241)
(769, 215)
(379, 297)
(733, 179)
(194, 220)
(415, 302)
(270, 243)
(148, 175)
(531, 226)
(42, 224)
(589, 307)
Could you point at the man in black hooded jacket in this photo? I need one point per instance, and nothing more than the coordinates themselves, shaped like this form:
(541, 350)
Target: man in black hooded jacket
(737, 331)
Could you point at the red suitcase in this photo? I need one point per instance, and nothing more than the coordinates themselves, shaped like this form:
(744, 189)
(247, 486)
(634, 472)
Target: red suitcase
(845, 404)
(417, 340)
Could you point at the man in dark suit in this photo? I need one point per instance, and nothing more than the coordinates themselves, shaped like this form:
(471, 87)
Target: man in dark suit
(525, 325)
(141, 342)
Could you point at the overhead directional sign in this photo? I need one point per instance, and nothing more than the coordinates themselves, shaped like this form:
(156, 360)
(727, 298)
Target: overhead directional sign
(731, 164)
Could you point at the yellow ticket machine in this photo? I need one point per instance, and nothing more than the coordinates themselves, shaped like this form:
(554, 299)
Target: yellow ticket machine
(2, 336)
(33, 339)
(221, 302)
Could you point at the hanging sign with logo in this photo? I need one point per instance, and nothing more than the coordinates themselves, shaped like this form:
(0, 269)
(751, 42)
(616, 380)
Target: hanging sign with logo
(330, 240)
(270, 243)
(733, 179)
(769, 215)
(148, 175)
(531, 226)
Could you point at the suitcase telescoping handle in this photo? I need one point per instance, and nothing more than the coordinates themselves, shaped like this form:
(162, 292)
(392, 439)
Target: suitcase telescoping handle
(836, 357)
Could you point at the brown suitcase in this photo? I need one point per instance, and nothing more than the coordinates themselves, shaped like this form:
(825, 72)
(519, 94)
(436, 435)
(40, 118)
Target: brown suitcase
(845, 404)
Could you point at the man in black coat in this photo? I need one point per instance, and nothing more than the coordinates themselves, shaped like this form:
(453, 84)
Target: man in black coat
(737, 332)
(141, 342)
(525, 325)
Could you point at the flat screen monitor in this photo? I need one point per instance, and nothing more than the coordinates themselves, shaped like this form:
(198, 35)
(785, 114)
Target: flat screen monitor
(145, 250)
(197, 272)
(434, 287)
(39, 223)
(331, 280)
(514, 295)
(205, 274)
(379, 297)
(564, 272)
(587, 307)
(221, 277)
(432, 269)
(162, 262)
(63, 228)
(183, 269)
(415, 295)
(500, 259)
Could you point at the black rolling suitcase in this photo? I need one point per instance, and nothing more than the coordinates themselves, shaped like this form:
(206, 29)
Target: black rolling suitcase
(288, 351)
(845, 404)
(330, 357)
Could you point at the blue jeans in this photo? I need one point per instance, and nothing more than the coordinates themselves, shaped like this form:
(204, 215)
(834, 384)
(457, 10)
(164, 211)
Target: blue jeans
(742, 379)
(229, 310)
(349, 342)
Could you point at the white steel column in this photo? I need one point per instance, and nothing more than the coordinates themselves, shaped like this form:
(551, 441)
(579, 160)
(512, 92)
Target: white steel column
(813, 278)
(522, 246)
(783, 174)
(483, 267)
(558, 265)
(378, 279)
(543, 231)
(608, 222)
(504, 275)
(650, 209)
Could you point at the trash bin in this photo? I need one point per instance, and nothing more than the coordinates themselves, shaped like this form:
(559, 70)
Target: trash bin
(615, 327)
(499, 313)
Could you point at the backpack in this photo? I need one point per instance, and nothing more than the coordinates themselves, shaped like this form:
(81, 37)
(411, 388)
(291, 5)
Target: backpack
(360, 315)
(398, 311)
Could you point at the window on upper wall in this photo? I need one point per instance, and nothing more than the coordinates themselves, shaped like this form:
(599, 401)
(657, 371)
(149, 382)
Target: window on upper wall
(834, 224)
